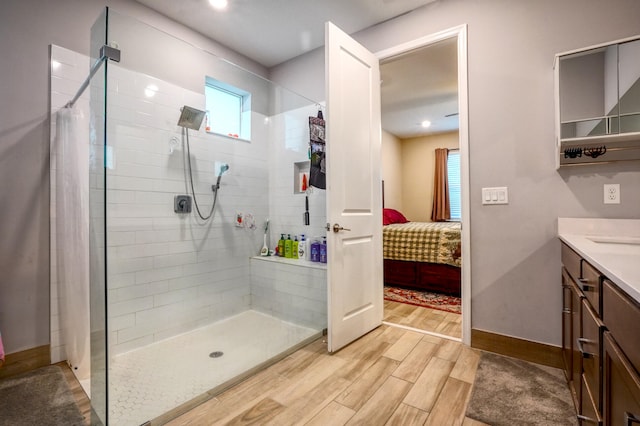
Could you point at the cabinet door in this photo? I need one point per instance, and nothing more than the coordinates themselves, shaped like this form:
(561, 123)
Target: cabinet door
(621, 386)
(589, 345)
(576, 331)
(567, 334)
(622, 317)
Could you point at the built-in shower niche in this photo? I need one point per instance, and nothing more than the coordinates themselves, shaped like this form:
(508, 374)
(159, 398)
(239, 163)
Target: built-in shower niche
(301, 176)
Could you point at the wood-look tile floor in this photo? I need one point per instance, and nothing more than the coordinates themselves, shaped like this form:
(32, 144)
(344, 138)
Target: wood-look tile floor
(83, 403)
(391, 376)
(441, 322)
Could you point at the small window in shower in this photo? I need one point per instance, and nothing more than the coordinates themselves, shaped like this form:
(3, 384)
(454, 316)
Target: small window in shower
(228, 110)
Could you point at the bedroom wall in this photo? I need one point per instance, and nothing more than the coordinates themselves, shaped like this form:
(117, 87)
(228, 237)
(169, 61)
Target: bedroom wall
(515, 253)
(418, 158)
(392, 171)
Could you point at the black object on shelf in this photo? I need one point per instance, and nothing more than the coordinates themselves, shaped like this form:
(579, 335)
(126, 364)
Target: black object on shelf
(595, 152)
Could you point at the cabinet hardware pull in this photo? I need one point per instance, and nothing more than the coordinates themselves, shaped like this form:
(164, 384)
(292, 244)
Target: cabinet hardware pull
(566, 311)
(586, 419)
(630, 419)
(585, 284)
(580, 341)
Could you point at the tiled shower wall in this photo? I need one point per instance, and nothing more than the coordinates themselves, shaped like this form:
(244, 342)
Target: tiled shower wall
(171, 273)
(290, 290)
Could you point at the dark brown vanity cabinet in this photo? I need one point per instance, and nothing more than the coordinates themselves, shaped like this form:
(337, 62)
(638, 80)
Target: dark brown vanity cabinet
(582, 334)
(600, 345)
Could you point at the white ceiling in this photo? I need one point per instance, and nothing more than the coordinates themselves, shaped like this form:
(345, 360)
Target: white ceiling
(421, 85)
(273, 31)
(414, 88)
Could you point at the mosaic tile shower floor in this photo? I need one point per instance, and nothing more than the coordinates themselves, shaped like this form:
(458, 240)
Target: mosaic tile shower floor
(150, 381)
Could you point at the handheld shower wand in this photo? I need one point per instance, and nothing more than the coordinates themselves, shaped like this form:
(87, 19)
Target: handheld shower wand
(223, 168)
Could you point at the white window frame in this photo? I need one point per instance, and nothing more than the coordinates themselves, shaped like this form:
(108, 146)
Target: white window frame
(243, 130)
(454, 185)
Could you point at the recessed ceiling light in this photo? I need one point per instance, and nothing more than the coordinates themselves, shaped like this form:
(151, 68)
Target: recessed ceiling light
(219, 4)
(425, 123)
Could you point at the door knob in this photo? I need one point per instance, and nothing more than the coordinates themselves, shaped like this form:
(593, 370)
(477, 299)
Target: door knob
(338, 228)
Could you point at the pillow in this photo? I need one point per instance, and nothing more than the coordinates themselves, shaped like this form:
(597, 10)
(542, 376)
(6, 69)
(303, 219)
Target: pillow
(390, 216)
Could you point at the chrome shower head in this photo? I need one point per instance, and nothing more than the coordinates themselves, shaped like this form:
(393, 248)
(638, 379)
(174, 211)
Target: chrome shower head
(191, 118)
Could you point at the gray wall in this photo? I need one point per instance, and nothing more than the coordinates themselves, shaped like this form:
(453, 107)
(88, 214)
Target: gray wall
(515, 256)
(27, 28)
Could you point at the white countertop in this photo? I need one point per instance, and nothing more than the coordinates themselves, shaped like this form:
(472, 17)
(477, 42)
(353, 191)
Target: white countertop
(611, 245)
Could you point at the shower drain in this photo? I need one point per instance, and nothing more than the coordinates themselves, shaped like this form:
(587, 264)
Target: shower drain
(216, 354)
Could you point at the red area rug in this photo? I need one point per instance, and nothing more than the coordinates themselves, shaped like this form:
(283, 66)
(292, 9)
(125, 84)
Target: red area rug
(425, 299)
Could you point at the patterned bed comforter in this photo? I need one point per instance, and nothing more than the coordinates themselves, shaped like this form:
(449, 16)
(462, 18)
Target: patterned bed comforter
(435, 242)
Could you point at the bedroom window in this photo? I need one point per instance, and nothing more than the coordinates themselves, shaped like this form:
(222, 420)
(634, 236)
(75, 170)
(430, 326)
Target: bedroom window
(228, 110)
(453, 176)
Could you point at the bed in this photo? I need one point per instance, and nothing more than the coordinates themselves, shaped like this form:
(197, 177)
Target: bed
(421, 255)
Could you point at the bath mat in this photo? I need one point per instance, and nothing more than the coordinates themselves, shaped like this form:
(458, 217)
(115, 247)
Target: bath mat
(425, 299)
(509, 391)
(40, 397)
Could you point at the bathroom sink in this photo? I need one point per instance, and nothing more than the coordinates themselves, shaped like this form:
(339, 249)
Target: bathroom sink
(616, 240)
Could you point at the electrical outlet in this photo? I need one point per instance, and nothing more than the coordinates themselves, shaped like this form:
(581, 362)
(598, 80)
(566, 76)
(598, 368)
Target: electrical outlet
(612, 193)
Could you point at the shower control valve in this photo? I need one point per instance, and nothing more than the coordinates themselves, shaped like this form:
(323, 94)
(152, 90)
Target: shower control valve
(182, 204)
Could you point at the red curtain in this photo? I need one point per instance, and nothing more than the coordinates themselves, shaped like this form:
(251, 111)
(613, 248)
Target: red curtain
(441, 209)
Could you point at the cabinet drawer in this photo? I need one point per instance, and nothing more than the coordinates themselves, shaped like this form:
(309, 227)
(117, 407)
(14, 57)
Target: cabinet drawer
(590, 346)
(571, 261)
(621, 314)
(621, 390)
(589, 282)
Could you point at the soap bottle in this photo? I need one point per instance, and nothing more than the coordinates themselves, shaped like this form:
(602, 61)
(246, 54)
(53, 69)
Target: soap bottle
(323, 250)
(302, 248)
(281, 246)
(288, 246)
(294, 247)
(315, 250)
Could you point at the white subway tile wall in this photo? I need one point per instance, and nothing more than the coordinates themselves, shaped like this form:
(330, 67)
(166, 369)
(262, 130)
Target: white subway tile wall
(170, 273)
(291, 291)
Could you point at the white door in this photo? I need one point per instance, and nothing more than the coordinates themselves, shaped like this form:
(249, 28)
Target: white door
(354, 194)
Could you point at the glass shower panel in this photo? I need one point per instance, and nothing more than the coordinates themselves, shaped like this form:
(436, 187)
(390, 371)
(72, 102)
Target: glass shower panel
(97, 242)
(190, 305)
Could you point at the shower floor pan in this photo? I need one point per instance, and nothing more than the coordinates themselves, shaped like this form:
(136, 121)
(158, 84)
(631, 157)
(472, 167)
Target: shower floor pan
(151, 381)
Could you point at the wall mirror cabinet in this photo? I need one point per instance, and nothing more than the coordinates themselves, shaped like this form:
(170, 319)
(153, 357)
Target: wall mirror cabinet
(598, 103)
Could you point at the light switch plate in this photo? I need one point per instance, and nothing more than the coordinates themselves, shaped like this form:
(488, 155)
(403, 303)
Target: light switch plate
(496, 195)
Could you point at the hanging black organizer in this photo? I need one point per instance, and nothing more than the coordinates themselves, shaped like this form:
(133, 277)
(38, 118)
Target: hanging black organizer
(317, 172)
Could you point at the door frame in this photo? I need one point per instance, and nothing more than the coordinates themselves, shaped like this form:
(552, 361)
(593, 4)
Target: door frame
(463, 109)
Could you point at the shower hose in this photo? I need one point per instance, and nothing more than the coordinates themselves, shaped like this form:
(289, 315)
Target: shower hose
(193, 192)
